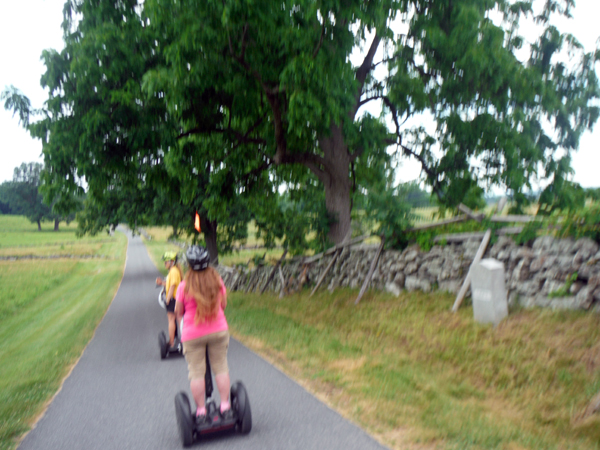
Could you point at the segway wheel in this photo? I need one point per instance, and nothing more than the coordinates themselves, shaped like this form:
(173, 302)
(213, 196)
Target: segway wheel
(185, 421)
(162, 344)
(241, 406)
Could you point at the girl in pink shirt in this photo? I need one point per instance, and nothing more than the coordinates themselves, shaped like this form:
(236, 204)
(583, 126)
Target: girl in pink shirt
(201, 301)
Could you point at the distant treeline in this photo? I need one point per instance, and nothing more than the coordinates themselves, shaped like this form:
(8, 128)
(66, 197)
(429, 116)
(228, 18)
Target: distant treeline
(417, 197)
(22, 197)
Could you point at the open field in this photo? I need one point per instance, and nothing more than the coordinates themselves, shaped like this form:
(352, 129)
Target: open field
(16, 231)
(48, 312)
(417, 376)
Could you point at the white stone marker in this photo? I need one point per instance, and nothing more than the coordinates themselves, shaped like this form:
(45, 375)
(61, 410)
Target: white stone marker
(488, 291)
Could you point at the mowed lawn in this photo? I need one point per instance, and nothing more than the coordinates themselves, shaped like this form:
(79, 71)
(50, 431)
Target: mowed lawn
(53, 298)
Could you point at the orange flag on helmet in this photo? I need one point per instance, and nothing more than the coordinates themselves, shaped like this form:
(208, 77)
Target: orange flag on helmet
(197, 222)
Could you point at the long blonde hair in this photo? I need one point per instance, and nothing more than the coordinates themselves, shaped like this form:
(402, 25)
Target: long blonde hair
(205, 287)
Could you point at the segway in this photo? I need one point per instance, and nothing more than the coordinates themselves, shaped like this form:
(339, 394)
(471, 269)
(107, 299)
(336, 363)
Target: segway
(163, 342)
(192, 428)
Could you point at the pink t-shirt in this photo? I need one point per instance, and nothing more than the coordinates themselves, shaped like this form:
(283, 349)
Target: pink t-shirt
(190, 329)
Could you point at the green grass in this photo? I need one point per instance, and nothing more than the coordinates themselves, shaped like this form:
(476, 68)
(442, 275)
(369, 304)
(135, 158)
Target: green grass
(409, 370)
(48, 313)
(425, 215)
(17, 231)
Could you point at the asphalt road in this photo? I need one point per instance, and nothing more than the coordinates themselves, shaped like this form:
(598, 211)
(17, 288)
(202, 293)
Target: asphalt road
(120, 395)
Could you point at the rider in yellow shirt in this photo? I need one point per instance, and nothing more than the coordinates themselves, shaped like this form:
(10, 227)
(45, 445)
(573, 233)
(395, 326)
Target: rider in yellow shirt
(171, 283)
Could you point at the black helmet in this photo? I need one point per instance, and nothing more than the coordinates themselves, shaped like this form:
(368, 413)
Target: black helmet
(197, 257)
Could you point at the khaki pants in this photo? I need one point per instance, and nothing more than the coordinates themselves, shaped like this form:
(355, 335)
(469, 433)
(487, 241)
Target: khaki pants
(195, 354)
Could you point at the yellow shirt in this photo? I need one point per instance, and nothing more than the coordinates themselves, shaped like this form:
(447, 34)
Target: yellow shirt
(173, 279)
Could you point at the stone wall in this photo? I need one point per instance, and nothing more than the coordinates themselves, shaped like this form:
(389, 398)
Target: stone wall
(534, 275)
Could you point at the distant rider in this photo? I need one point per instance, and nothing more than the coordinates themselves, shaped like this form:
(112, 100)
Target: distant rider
(201, 301)
(171, 283)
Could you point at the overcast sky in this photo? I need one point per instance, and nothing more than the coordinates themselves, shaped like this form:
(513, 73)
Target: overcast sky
(27, 27)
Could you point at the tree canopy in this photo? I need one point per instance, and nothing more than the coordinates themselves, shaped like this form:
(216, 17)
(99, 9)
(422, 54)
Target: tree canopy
(240, 97)
(22, 196)
(279, 78)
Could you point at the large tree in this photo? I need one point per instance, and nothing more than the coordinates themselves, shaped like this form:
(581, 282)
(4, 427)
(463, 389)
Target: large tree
(98, 133)
(280, 78)
(248, 94)
(23, 197)
(101, 133)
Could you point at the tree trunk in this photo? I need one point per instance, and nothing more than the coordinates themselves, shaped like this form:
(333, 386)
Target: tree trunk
(337, 183)
(209, 228)
(56, 224)
(39, 225)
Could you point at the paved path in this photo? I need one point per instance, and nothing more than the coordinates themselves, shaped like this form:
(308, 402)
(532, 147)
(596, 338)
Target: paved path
(120, 394)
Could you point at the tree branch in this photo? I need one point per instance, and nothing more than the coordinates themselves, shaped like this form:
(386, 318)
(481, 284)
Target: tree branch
(363, 71)
(359, 151)
(384, 60)
(365, 67)
(369, 99)
(390, 105)
(241, 138)
(408, 152)
(431, 173)
(310, 160)
(316, 51)
(425, 76)
(245, 180)
(241, 60)
(244, 43)
(256, 125)
(272, 97)
(280, 141)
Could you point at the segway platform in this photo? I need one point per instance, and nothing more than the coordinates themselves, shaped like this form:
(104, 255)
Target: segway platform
(192, 428)
(165, 350)
(238, 418)
(163, 342)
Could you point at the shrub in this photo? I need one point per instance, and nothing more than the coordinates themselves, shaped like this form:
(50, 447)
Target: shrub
(584, 222)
